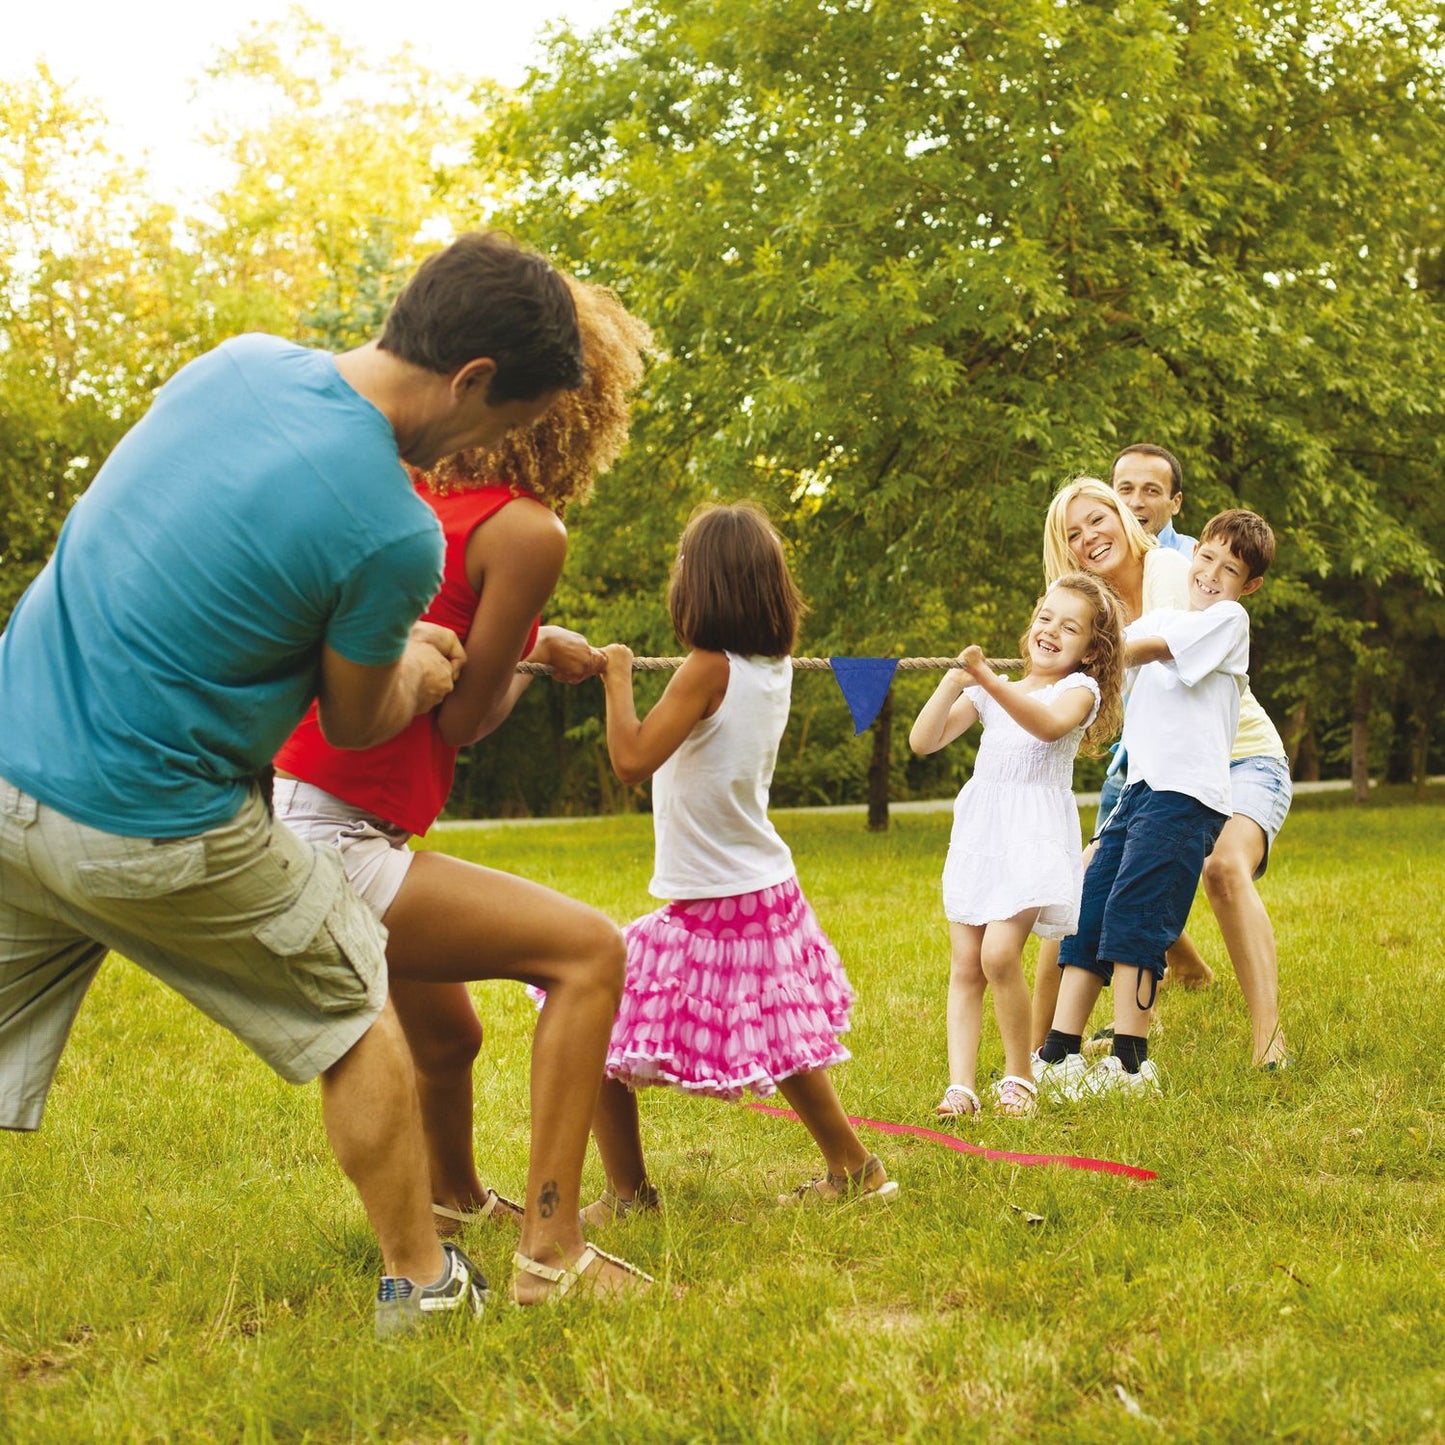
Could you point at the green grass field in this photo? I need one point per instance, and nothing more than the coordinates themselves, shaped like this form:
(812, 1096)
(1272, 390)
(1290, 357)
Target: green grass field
(180, 1259)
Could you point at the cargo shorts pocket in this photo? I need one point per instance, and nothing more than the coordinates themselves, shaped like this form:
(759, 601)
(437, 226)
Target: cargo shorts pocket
(333, 949)
(147, 871)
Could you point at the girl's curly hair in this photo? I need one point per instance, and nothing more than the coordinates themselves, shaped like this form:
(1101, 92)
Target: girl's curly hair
(1104, 661)
(558, 457)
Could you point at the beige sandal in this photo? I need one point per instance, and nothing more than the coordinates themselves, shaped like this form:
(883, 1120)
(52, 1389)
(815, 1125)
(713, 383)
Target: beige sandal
(496, 1207)
(609, 1209)
(575, 1273)
(839, 1188)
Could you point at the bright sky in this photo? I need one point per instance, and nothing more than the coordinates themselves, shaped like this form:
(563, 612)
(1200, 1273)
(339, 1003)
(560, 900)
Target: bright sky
(141, 60)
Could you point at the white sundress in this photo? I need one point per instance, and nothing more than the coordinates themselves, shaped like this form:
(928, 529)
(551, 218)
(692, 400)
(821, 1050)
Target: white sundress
(1016, 841)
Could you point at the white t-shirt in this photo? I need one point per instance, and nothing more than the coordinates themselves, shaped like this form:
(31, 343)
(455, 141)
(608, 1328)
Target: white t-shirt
(712, 836)
(1180, 723)
(1166, 584)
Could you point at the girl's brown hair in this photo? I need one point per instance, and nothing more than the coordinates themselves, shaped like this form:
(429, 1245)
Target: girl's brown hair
(1104, 661)
(558, 457)
(731, 590)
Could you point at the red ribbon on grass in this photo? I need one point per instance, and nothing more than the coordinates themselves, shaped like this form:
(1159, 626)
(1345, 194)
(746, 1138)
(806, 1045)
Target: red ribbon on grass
(962, 1146)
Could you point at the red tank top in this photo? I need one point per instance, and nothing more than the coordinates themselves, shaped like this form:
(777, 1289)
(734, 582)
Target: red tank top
(406, 781)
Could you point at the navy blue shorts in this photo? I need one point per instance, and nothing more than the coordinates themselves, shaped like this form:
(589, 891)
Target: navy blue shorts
(1140, 886)
(1110, 791)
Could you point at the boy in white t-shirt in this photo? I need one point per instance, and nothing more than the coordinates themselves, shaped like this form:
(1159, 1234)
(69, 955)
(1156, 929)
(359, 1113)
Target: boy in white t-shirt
(1178, 733)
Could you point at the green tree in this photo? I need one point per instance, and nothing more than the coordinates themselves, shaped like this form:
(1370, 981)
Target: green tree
(341, 186)
(916, 265)
(353, 172)
(97, 305)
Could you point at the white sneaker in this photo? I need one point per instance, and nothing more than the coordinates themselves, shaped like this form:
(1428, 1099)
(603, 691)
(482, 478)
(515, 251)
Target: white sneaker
(1109, 1076)
(1063, 1080)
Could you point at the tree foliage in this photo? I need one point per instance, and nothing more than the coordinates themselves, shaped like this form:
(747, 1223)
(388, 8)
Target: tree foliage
(97, 306)
(915, 265)
(355, 171)
(912, 266)
(337, 191)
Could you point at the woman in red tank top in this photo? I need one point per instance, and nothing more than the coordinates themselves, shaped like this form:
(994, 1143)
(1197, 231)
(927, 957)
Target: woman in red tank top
(449, 921)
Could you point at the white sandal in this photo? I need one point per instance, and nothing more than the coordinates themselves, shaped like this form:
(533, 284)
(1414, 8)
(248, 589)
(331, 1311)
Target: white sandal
(958, 1102)
(572, 1274)
(506, 1210)
(609, 1209)
(1016, 1097)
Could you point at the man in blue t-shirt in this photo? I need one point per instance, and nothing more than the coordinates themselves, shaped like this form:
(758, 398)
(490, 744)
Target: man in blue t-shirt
(254, 542)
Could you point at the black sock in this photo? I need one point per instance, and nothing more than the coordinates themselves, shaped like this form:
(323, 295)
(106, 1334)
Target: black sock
(1057, 1046)
(1131, 1051)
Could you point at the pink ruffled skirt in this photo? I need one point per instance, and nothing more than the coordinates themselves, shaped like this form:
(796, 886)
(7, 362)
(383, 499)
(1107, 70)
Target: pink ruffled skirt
(727, 994)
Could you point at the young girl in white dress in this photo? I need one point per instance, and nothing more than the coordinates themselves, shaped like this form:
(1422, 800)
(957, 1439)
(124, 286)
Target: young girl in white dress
(1014, 857)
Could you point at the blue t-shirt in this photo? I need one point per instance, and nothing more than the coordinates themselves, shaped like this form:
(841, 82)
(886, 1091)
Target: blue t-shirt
(258, 510)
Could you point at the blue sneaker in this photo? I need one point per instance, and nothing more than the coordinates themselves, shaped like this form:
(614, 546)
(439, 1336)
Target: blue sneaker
(402, 1304)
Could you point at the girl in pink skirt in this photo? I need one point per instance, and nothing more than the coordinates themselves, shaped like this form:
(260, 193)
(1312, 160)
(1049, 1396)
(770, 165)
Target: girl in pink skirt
(732, 985)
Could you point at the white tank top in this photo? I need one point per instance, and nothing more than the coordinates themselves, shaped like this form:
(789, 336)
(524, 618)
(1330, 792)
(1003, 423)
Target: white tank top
(710, 798)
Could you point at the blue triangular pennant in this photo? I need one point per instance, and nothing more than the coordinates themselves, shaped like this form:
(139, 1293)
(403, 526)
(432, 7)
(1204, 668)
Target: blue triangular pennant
(864, 683)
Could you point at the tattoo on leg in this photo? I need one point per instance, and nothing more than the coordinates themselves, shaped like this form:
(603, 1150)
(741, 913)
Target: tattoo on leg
(547, 1199)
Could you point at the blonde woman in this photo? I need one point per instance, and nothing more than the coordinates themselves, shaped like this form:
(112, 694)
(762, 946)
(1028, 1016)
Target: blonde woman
(1089, 527)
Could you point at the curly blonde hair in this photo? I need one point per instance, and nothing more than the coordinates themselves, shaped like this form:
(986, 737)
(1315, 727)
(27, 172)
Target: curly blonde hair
(1104, 661)
(560, 456)
(1058, 559)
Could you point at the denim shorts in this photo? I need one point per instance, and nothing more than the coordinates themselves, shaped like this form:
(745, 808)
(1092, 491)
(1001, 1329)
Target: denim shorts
(1140, 886)
(1260, 788)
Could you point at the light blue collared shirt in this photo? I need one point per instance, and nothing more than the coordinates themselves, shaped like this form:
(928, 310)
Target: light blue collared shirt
(1168, 537)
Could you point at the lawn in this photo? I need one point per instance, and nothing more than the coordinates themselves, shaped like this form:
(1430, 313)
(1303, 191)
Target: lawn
(182, 1261)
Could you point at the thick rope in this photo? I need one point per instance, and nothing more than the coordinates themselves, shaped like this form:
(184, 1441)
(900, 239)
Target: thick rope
(800, 664)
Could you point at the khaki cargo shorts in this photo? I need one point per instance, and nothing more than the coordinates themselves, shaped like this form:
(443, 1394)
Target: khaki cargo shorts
(257, 928)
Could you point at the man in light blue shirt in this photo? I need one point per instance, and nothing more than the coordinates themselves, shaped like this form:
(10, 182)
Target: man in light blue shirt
(252, 543)
(1150, 482)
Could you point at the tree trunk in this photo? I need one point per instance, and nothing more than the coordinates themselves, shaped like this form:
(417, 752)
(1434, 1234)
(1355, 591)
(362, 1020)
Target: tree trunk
(878, 767)
(1295, 733)
(1420, 753)
(1364, 696)
(1309, 763)
(1360, 736)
